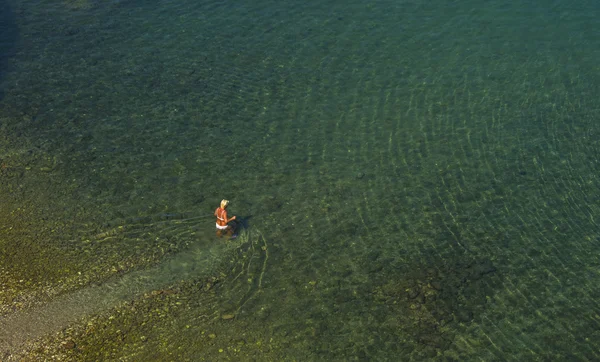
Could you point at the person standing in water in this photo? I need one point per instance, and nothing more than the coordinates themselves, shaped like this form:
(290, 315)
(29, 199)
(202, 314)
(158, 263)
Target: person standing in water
(223, 223)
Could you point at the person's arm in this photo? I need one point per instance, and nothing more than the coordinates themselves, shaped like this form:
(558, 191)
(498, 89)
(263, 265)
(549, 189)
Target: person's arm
(225, 217)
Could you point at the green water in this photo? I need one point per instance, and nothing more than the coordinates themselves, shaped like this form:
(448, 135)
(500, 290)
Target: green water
(418, 181)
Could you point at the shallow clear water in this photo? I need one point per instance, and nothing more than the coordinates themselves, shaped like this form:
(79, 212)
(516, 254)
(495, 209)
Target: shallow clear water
(423, 176)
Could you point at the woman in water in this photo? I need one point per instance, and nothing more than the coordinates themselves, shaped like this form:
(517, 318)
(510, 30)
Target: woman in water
(223, 226)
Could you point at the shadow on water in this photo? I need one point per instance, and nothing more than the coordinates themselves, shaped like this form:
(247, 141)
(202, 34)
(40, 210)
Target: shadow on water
(244, 222)
(8, 38)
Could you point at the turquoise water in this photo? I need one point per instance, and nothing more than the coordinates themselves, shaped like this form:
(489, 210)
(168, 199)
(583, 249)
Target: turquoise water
(423, 176)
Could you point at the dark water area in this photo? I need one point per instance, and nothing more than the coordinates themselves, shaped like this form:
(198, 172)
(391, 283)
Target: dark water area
(415, 181)
(8, 37)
